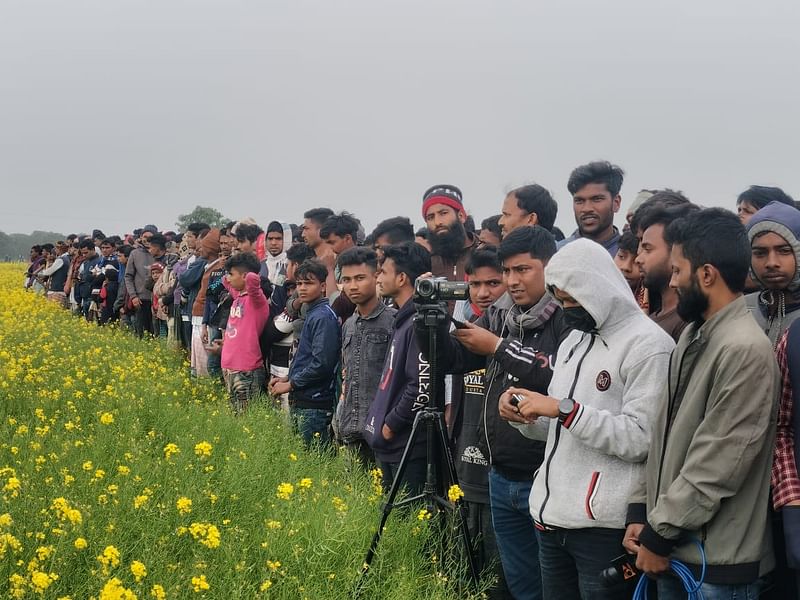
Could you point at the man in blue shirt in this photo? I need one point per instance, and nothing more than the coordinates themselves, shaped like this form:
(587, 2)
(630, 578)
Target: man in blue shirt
(595, 199)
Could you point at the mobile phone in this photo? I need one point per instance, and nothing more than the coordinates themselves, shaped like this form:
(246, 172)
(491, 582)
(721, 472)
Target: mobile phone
(458, 324)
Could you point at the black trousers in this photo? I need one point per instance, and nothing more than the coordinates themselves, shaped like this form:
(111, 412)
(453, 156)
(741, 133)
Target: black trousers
(144, 319)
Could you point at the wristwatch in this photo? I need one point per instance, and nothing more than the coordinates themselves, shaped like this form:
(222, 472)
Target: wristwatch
(565, 408)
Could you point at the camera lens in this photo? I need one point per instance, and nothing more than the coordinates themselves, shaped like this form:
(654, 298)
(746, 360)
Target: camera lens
(425, 287)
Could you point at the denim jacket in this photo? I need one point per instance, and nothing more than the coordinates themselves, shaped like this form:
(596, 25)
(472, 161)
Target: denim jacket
(364, 344)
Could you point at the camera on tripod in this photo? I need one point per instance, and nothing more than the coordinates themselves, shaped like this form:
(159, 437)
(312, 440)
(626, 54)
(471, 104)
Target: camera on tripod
(439, 289)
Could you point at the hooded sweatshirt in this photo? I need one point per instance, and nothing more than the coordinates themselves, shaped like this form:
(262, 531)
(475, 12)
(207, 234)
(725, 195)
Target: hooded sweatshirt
(274, 267)
(783, 220)
(615, 376)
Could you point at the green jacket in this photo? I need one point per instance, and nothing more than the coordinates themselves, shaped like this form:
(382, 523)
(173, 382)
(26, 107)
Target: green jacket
(711, 481)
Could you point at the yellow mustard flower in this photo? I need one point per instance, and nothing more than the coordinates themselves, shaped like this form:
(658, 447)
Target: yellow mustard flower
(138, 570)
(184, 505)
(455, 493)
(285, 491)
(200, 584)
(203, 449)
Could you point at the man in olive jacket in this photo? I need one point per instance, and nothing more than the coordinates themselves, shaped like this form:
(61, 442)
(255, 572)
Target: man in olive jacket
(708, 469)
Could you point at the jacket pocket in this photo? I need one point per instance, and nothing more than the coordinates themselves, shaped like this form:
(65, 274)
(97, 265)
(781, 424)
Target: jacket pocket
(375, 346)
(591, 494)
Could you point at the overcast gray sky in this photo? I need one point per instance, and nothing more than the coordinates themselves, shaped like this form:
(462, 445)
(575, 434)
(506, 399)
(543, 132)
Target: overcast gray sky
(114, 114)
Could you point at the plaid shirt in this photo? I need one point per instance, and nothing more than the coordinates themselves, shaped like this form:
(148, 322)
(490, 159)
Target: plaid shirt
(785, 480)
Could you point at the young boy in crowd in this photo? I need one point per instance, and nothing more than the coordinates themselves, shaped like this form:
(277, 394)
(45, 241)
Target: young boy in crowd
(311, 383)
(625, 259)
(365, 340)
(405, 379)
(242, 362)
(278, 339)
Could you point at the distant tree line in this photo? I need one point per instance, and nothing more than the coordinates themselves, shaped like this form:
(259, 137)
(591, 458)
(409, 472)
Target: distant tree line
(14, 245)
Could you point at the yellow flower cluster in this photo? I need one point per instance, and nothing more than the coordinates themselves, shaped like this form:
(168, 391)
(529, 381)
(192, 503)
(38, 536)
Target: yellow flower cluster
(65, 512)
(184, 505)
(205, 533)
(203, 449)
(11, 488)
(339, 504)
(455, 493)
(170, 450)
(199, 584)
(273, 565)
(109, 559)
(138, 570)
(285, 491)
(114, 590)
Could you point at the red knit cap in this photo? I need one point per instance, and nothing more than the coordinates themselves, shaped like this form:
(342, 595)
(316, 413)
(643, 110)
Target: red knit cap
(449, 195)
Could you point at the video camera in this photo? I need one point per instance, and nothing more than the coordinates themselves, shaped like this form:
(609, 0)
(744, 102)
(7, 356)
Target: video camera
(439, 289)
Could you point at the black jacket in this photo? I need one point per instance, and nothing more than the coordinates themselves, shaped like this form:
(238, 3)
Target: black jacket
(525, 362)
(403, 391)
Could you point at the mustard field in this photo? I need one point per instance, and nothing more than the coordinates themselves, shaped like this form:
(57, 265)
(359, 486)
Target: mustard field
(122, 477)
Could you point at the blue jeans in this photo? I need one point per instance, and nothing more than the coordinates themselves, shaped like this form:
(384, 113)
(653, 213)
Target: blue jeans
(670, 588)
(313, 425)
(516, 536)
(572, 560)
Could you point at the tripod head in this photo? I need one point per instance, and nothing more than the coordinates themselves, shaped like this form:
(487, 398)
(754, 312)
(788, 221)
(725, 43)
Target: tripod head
(431, 315)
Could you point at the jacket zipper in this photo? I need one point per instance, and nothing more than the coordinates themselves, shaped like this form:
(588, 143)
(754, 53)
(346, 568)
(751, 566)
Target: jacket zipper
(487, 389)
(485, 416)
(673, 397)
(558, 434)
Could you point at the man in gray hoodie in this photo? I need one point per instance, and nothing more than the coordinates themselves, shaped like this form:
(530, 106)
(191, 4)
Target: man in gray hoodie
(597, 420)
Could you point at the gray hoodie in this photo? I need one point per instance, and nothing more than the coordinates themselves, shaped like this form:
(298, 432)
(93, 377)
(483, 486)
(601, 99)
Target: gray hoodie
(615, 376)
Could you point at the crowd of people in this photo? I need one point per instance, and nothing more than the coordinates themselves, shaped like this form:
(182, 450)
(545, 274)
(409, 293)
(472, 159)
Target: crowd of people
(615, 393)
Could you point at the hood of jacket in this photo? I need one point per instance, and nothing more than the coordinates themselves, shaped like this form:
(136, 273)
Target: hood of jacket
(584, 270)
(783, 220)
(287, 234)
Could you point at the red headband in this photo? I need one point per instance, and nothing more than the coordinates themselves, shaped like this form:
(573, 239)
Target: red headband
(446, 200)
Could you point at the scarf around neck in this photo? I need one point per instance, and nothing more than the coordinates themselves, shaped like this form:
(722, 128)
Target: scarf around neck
(520, 321)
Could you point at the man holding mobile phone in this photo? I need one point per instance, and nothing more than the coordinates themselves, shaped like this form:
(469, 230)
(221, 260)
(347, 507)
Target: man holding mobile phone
(515, 341)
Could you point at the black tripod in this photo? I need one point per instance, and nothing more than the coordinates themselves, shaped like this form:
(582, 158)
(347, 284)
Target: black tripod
(432, 419)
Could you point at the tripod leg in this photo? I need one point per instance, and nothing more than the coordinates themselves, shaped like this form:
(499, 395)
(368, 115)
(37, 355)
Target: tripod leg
(462, 509)
(396, 485)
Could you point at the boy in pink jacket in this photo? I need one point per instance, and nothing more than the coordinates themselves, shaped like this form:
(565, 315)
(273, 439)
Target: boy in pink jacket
(242, 362)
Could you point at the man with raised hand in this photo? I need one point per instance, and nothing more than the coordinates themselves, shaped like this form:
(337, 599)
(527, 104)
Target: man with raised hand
(515, 341)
